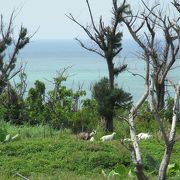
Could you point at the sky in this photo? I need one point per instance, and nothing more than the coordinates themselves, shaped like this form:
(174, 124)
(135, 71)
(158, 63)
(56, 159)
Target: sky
(48, 16)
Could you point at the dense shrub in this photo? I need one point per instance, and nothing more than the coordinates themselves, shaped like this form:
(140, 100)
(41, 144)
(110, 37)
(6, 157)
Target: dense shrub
(3, 133)
(62, 103)
(58, 108)
(35, 103)
(109, 100)
(86, 118)
(12, 106)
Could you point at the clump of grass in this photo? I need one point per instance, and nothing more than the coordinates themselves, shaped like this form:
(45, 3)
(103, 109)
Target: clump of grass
(28, 131)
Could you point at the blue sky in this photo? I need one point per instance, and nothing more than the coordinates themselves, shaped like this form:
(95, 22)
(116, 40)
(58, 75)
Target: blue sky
(48, 16)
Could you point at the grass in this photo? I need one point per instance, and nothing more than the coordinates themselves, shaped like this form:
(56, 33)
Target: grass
(54, 155)
(60, 155)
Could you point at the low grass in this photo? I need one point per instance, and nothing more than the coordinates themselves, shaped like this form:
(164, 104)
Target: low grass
(58, 155)
(43, 153)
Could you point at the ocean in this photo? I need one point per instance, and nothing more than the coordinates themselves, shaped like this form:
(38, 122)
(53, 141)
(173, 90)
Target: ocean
(44, 58)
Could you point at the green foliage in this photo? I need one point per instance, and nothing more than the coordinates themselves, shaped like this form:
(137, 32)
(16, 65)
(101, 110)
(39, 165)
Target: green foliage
(145, 120)
(108, 100)
(145, 112)
(11, 106)
(172, 169)
(120, 11)
(152, 155)
(121, 128)
(62, 104)
(61, 153)
(152, 164)
(3, 133)
(168, 111)
(111, 174)
(86, 118)
(35, 103)
(8, 44)
(60, 108)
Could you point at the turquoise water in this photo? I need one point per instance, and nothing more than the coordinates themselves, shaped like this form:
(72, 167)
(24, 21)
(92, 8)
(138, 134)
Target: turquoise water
(44, 58)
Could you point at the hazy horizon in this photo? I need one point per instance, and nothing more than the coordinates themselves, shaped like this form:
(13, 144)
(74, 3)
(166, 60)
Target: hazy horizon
(49, 17)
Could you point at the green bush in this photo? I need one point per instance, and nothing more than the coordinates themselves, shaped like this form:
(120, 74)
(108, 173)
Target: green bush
(3, 133)
(11, 106)
(108, 99)
(86, 118)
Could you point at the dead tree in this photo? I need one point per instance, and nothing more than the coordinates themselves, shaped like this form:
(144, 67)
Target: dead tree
(161, 62)
(106, 43)
(145, 28)
(176, 4)
(8, 61)
(169, 139)
(174, 24)
(136, 155)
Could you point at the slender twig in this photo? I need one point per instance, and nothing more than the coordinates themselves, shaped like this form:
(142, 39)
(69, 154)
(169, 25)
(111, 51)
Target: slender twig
(23, 177)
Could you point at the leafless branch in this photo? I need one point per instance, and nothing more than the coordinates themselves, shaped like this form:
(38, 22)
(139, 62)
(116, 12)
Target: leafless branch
(136, 74)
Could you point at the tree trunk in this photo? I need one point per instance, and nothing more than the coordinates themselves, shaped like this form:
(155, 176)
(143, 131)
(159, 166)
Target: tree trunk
(2, 86)
(139, 172)
(172, 134)
(165, 162)
(111, 73)
(109, 123)
(160, 92)
(109, 117)
(136, 150)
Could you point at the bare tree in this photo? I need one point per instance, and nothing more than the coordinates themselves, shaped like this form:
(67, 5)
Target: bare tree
(145, 28)
(8, 61)
(159, 59)
(169, 139)
(136, 155)
(106, 43)
(174, 24)
(176, 4)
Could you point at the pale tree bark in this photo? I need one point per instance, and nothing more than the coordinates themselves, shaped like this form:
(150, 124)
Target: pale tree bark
(169, 139)
(174, 24)
(137, 160)
(145, 28)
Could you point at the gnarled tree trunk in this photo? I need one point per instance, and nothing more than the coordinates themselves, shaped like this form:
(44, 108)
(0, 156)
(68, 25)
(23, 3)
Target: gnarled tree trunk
(165, 162)
(137, 160)
(109, 123)
(160, 93)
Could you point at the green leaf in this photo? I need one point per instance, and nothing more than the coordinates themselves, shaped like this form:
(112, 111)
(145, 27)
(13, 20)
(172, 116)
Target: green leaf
(172, 169)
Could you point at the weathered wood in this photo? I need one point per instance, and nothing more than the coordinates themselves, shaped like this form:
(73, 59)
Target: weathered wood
(137, 160)
(144, 28)
(171, 139)
(21, 176)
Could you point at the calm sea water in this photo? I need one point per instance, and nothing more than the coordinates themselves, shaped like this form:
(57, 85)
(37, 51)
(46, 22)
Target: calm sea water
(44, 58)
